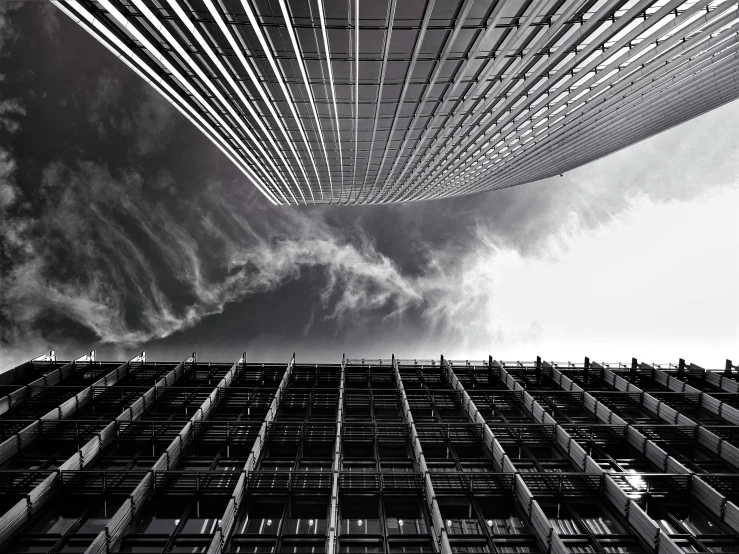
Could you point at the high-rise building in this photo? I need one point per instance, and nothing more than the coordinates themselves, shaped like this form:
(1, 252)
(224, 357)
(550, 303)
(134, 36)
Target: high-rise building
(342, 101)
(372, 456)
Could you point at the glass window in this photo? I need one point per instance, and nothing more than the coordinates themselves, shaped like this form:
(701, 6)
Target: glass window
(360, 515)
(698, 523)
(499, 517)
(358, 465)
(459, 517)
(561, 519)
(58, 519)
(404, 517)
(668, 526)
(599, 520)
(349, 548)
(162, 516)
(463, 526)
(359, 450)
(200, 526)
(277, 465)
(262, 518)
(362, 526)
(98, 517)
(306, 518)
(393, 451)
(56, 524)
(304, 548)
(241, 545)
(396, 466)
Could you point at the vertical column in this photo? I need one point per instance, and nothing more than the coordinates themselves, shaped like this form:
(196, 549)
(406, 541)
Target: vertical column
(442, 541)
(538, 370)
(225, 528)
(336, 467)
(543, 530)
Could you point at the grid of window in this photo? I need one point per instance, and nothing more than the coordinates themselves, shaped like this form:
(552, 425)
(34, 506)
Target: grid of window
(342, 101)
(383, 456)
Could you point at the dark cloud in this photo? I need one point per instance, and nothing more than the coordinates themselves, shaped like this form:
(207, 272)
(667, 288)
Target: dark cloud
(123, 227)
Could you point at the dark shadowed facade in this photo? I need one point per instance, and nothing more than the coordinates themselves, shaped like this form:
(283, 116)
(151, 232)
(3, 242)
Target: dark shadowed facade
(330, 101)
(367, 456)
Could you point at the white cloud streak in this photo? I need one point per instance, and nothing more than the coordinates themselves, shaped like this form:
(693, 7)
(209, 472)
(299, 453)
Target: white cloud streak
(78, 259)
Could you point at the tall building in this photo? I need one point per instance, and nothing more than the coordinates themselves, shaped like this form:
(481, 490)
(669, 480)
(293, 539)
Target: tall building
(372, 456)
(342, 101)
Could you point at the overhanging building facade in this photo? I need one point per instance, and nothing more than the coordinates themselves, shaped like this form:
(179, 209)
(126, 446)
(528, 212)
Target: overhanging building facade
(372, 456)
(349, 101)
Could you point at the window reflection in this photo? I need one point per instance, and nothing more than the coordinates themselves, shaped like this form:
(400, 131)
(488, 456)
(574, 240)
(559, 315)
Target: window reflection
(698, 523)
(305, 526)
(260, 525)
(307, 518)
(364, 526)
(200, 526)
(599, 520)
(404, 516)
(98, 517)
(459, 516)
(360, 515)
(158, 525)
(468, 526)
(262, 517)
(505, 526)
(55, 524)
(406, 526)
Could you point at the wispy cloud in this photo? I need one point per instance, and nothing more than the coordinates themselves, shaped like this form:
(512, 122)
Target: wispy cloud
(101, 255)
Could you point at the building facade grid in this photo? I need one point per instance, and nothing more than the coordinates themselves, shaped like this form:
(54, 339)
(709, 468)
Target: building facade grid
(346, 102)
(385, 456)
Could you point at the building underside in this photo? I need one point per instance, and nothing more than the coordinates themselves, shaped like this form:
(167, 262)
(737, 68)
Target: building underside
(373, 456)
(342, 101)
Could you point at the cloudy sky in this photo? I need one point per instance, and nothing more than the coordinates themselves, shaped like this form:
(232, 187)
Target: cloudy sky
(123, 229)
